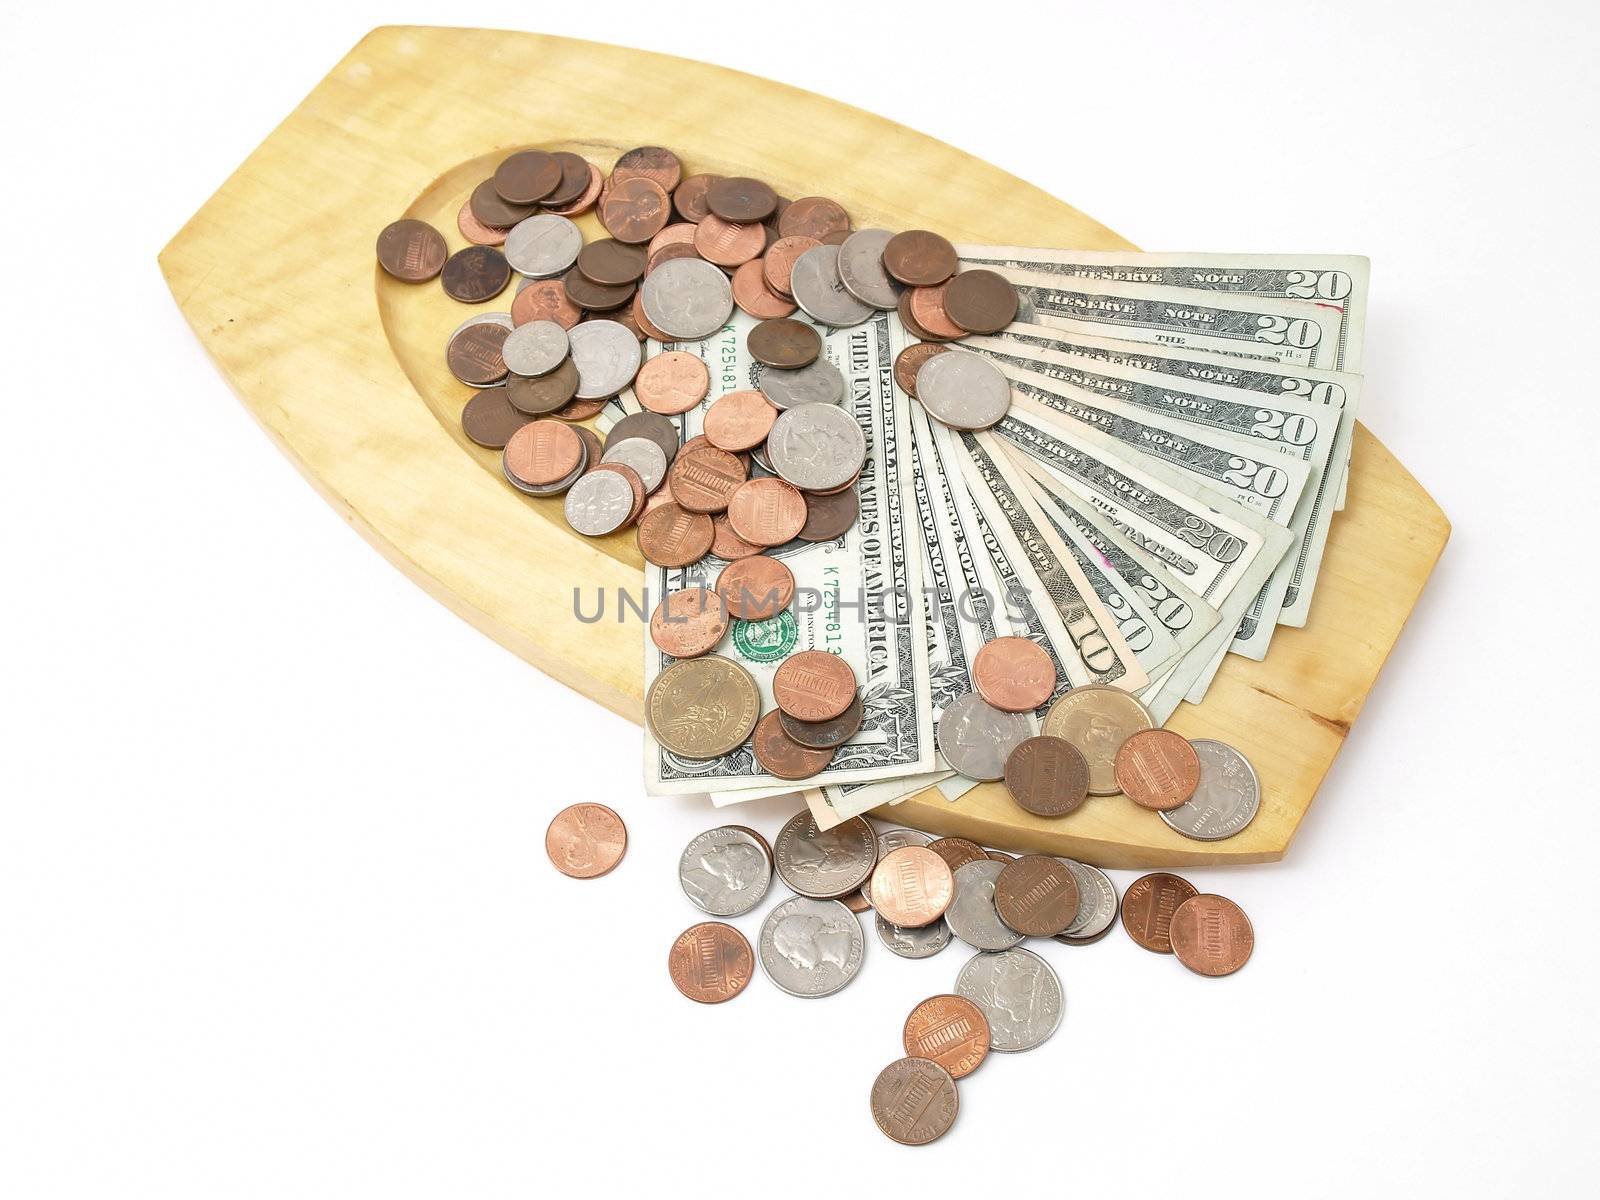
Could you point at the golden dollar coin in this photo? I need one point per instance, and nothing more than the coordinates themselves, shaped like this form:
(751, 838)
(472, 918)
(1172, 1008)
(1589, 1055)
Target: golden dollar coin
(702, 707)
(1097, 720)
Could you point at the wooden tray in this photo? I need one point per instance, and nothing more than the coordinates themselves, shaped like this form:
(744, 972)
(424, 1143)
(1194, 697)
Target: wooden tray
(344, 368)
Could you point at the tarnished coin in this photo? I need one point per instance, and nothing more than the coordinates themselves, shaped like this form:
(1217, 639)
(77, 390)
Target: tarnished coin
(919, 257)
(890, 840)
(908, 318)
(861, 270)
(542, 394)
(536, 348)
(739, 420)
(912, 887)
(1000, 856)
(819, 383)
(689, 197)
(811, 948)
(823, 863)
(475, 231)
(489, 419)
(672, 382)
(1148, 905)
(1157, 769)
(951, 1031)
(702, 707)
(489, 207)
(739, 198)
(1036, 895)
(909, 361)
(542, 452)
(607, 357)
(1211, 935)
(543, 246)
(927, 305)
(957, 852)
(829, 516)
(725, 871)
(474, 353)
(585, 840)
(751, 293)
(963, 390)
(635, 209)
(818, 289)
(1014, 674)
(646, 425)
(1226, 799)
(778, 262)
(913, 943)
(785, 343)
(972, 915)
(411, 250)
(756, 588)
(1019, 994)
(914, 1101)
(688, 623)
(611, 262)
(1097, 719)
(726, 544)
(655, 163)
(527, 177)
(586, 198)
(704, 480)
(825, 735)
(814, 217)
(643, 455)
(671, 536)
(576, 174)
(1097, 904)
(814, 685)
(981, 301)
(977, 738)
(544, 300)
(595, 297)
(817, 447)
(599, 503)
(781, 756)
(711, 962)
(687, 299)
(1047, 776)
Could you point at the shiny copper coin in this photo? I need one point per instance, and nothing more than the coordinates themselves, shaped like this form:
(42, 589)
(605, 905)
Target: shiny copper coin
(489, 419)
(727, 243)
(669, 252)
(825, 735)
(829, 515)
(579, 410)
(927, 306)
(585, 840)
(412, 251)
(1211, 935)
(1014, 674)
(545, 300)
(596, 297)
(814, 217)
(670, 536)
(474, 353)
(635, 210)
(711, 962)
(909, 320)
(766, 511)
(919, 258)
(542, 452)
(680, 233)
(659, 498)
(688, 623)
(981, 301)
(527, 177)
(726, 544)
(784, 343)
(752, 295)
(756, 588)
(780, 755)
(914, 1101)
(490, 208)
(584, 202)
(705, 478)
(1157, 769)
(643, 321)
(1148, 905)
(739, 420)
(655, 163)
(949, 1030)
(911, 358)
(672, 383)
(778, 263)
(611, 263)
(1036, 895)
(912, 886)
(475, 231)
(814, 685)
(689, 197)
(957, 852)
(539, 395)
(576, 175)
(739, 198)
(475, 274)
(1047, 776)
(857, 902)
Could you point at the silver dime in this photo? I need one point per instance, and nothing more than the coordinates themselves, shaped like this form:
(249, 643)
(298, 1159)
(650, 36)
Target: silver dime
(817, 289)
(643, 455)
(894, 839)
(536, 348)
(811, 947)
(819, 383)
(817, 447)
(976, 738)
(607, 357)
(1018, 992)
(825, 863)
(543, 245)
(688, 298)
(1227, 798)
(861, 268)
(972, 916)
(1097, 903)
(963, 390)
(725, 871)
(599, 503)
(913, 943)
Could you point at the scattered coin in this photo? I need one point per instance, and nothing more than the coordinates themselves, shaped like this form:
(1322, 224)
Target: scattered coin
(778, 262)
(542, 394)
(963, 390)
(585, 840)
(861, 270)
(1097, 719)
(919, 258)
(912, 886)
(702, 707)
(825, 735)
(475, 231)
(890, 840)
(811, 947)
(739, 420)
(1036, 895)
(817, 447)
(599, 503)
(545, 300)
(726, 544)
(1157, 769)
(655, 163)
(751, 293)
(542, 452)
(813, 217)
(671, 536)
(607, 357)
(489, 419)
(781, 756)
(612, 262)
(635, 210)
(927, 305)
(688, 623)
(767, 512)
(829, 516)
(977, 738)
(728, 243)
(914, 1101)
(1014, 674)
(818, 290)
(856, 902)
(1000, 856)
(576, 174)
(981, 301)
(819, 383)
(1097, 905)
(492, 209)
(1047, 776)
(1226, 799)
(784, 343)
(739, 198)
(972, 915)
(1148, 905)
(1018, 993)
(910, 360)
(1211, 935)
(814, 685)
(687, 299)
(756, 588)
(909, 318)
(475, 274)
(644, 456)
(725, 871)
(595, 297)
(474, 354)
(672, 382)
(646, 425)
(711, 962)
(705, 479)
(585, 200)
(536, 348)
(689, 197)
(527, 177)
(543, 246)
(824, 862)
(949, 1030)
(957, 852)
(413, 251)
(913, 943)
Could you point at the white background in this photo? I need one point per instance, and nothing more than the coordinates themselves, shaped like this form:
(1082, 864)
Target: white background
(275, 917)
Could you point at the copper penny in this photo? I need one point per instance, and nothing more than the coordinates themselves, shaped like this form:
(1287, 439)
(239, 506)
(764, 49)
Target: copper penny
(584, 202)
(705, 478)
(1211, 935)
(739, 420)
(786, 344)
(826, 735)
(680, 233)
(909, 320)
(814, 686)
(726, 544)
(1157, 769)
(766, 511)
(912, 886)
(740, 198)
(751, 293)
(539, 395)
(1014, 674)
(814, 217)
(1047, 776)
(489, 419)
(1000, 856)
(949, 1030)
(473, 354)
(981, 301)
(1036, 895)
(914, 1101)
(576, 175)
(689, 197)
(1148, 905)
(527, 177)
(412, 251)
(857, 902)
(475, 231)
(655, 163)
(919, 258)
(927, 306)
(829, 515)
(635, 210)
(622, 316)
(957, 852)
(756, 588)
(475, 274)
(778, 262)
(688, 623)
(909, 359)
(490, 208)
(595, 297)
(669, 252)
(782, 756)
(545, 300)
(711, 962)
(672, 383)
(542, 453)
(579, 410)
(670, 536)
(643, 321)
(611, 263)
(585, 840)
(592, 449)
(727, 243)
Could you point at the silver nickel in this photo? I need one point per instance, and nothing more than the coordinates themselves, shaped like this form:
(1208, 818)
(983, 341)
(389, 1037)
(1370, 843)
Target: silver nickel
(688, 298)
(607, 357)
(1097, 903)
(819, 383)
(725, 871)
(811, 948)
(894, 839)
(861, 269)
(643, 455)
(817, 447)
(913, 943)
(976, 738)
(825, 863)
(963, 390)
(543, 245)
(1227, 799)
(536, 348)
(1018, 992)
(972, 916)
(818, 290)
(599, 503)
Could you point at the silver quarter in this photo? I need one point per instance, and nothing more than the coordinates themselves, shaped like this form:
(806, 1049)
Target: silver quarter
(607, 356)
(963, 390)
(1227, 799)
(725, 871)
(688, 298)
(819, 383)
(811, 947)
(817, 447)
(536, 348)
(1018, 992)
(976, 738)
(972, 916)
(599, 503)
(543, 245)
(643, 455)
(861, 268)
(824, 863)
(913, 943)
(1097, 903)
(817, 289)
(893, 839)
